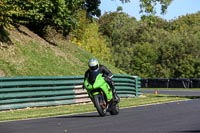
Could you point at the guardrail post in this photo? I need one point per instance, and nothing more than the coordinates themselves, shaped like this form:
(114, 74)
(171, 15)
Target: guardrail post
(137, 85)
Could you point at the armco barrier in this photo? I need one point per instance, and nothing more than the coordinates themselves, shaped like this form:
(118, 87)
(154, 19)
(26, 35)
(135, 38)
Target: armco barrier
(170, 83)
(179, 83)
(195, 83)
(158, 83)
(23, 92)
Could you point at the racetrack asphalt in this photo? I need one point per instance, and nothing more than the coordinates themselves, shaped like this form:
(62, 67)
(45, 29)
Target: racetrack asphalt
(174, 117)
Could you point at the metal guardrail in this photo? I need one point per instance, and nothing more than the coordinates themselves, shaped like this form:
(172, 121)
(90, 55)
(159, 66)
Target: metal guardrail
(23, 92)
(170, 83)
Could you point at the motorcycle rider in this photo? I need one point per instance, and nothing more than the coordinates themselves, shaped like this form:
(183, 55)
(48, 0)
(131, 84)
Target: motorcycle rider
(94, 69)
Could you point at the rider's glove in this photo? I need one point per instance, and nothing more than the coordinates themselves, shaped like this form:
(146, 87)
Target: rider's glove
(107, 78)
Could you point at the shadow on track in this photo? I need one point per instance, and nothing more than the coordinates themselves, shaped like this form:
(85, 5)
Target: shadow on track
(80, 116)
(188, 131)
(190, 97)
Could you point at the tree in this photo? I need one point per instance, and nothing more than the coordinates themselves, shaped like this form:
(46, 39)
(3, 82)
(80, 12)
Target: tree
(144, 60)
(146, 6)
(59, 14)
(162, 49)
(6, 11)
(87, 36)
(179, 55)
(38, 14)
(120, 28)
(92, 7)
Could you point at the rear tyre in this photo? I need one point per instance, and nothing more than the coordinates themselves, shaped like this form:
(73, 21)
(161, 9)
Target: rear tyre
(100, 108)
(115, 110)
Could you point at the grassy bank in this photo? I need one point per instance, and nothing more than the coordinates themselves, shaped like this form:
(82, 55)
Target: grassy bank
(30, 55)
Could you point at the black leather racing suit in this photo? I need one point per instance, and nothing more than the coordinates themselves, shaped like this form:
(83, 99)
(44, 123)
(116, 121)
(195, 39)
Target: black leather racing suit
(107, 74)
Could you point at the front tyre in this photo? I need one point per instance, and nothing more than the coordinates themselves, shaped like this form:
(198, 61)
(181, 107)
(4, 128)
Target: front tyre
(99, 105)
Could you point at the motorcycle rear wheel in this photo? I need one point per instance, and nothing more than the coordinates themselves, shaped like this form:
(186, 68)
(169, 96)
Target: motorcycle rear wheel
(100, 108)
(115, 110)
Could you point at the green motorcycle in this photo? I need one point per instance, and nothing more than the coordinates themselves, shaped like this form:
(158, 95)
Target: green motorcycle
(101, 95)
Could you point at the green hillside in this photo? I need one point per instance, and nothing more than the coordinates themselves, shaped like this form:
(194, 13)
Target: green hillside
(26, 54)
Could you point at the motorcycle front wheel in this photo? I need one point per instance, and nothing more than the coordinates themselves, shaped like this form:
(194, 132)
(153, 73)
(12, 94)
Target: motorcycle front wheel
(101, 108)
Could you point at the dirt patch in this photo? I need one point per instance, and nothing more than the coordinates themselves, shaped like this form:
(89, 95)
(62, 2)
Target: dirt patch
(23, 34)
(4, 37)
(2, 73)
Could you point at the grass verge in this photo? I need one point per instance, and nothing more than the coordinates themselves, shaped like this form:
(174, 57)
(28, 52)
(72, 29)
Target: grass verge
(81, 108)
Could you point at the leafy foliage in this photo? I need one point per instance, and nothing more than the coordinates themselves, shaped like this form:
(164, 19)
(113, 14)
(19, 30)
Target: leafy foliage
(148, 6)
(92, 7)
(36, 14)
(58, 13)
(117, 27)
(88, 37)
(161, 49)
(5, 13)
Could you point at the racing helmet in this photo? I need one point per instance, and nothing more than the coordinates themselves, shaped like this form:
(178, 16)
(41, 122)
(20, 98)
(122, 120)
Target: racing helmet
(93, 64)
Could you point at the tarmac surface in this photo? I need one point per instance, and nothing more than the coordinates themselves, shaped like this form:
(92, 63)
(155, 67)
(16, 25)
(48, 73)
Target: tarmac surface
(174, 117)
